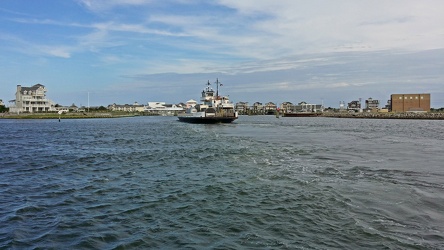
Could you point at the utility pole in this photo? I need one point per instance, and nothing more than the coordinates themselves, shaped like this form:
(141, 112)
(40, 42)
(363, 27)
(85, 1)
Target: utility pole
(88, 101)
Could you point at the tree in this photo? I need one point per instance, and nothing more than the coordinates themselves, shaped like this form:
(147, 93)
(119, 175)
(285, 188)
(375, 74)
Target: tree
(3, 109)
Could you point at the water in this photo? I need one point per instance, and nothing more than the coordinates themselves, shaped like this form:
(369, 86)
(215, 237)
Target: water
(259, 183)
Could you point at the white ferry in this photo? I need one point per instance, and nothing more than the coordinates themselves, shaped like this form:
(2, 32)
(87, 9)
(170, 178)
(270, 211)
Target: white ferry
(213, 109)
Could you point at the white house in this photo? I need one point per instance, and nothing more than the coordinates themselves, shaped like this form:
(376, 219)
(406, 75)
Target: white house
(31, 99)
(191, 103)
(127, 107)
(163, 108)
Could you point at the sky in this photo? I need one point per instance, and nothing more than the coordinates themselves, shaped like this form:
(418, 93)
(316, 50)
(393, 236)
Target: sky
(100, 52)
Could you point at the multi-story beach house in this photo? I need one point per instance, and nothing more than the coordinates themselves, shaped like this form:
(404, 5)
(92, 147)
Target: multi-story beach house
(354, 105)
(371, 104)
(270, 108)
(286, 107)
(258, 108)
(31, 99)
(242, 107)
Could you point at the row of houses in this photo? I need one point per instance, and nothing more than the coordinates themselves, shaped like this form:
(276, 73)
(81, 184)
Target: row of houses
(397, 103)
(161, 108)
(269, 108)
(33, 99)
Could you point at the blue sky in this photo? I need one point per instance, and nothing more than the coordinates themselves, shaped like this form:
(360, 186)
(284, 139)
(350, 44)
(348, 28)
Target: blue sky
(123, 51)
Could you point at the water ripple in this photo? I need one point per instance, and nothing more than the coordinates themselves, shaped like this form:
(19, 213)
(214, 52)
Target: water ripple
(261, 183)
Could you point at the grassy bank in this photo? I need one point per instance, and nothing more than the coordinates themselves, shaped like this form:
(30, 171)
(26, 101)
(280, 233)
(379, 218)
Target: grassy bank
(66, 115)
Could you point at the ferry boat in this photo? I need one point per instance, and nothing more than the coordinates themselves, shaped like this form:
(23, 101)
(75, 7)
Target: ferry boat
(213, 109)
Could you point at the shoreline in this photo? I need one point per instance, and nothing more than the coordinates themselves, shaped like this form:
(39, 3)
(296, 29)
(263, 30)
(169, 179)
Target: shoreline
(65, 116)
(415, 116)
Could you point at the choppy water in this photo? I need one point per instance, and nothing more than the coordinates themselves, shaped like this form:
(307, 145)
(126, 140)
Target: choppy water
(259, 183)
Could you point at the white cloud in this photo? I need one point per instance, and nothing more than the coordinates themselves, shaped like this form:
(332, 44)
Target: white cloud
(273, 29)
(357, 25)
(63, 52)
(104, 5)
(29, 48)
(262, 46)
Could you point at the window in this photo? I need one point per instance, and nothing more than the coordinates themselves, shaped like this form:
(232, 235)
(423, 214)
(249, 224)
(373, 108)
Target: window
(400, 97)
(411, 98)
(422, 97)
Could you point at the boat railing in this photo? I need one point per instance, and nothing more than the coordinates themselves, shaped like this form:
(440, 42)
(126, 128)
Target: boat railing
(226, 113)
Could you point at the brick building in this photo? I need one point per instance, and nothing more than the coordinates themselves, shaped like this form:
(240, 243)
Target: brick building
(410, 102)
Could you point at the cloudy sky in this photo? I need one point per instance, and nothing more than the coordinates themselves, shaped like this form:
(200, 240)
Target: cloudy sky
(122, 51)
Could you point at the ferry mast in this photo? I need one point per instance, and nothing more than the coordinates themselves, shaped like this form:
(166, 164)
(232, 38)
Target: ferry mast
(217, 88)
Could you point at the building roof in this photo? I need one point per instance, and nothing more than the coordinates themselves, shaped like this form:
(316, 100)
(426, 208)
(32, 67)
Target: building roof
(33, 88)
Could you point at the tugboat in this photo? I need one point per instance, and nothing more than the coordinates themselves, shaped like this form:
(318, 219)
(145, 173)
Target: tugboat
(213, 109)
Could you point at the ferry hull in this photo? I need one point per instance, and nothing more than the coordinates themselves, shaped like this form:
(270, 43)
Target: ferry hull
(206, 120)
